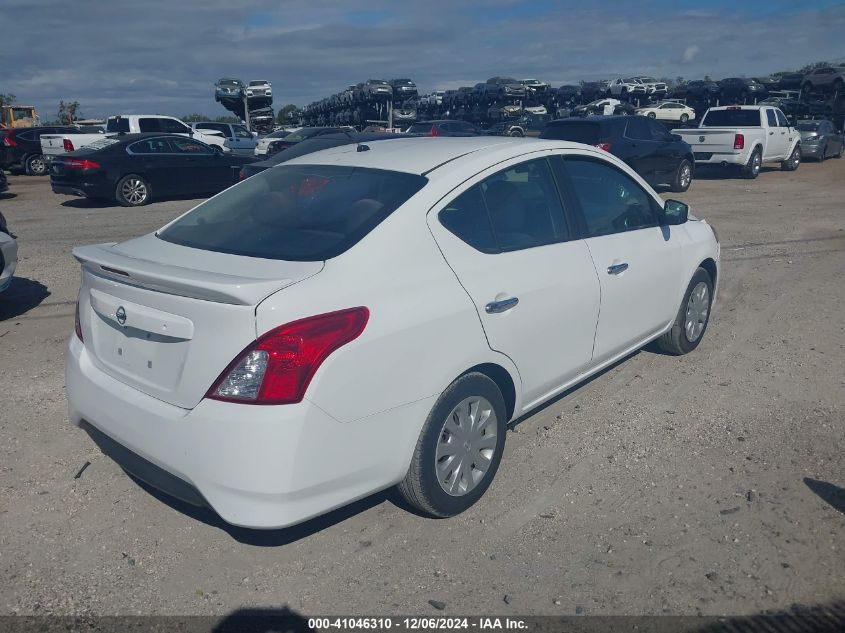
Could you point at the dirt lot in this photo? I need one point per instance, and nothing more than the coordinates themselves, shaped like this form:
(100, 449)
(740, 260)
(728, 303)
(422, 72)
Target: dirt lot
(706, 484)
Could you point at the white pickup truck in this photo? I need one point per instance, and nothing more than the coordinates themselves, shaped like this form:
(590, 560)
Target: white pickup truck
(744, 137)
(54, 144)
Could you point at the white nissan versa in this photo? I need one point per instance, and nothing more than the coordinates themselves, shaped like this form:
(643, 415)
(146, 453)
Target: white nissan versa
(368, 316)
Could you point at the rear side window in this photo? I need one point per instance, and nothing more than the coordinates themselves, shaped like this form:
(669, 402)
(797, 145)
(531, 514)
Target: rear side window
(149, 125)
(117, 125)
(610, 200)
(514, 209)
(295, 212)
(731, 118)
(588, 133)
(771, 118)
(172, 126)
(638, 129)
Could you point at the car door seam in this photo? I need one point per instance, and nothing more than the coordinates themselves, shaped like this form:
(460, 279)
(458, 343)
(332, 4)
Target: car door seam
(598, 315)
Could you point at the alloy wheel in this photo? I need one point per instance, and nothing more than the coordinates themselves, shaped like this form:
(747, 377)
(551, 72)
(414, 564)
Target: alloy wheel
(698, 308)
(37, 166)
(466, 446)
(134, 191)
(686, 176)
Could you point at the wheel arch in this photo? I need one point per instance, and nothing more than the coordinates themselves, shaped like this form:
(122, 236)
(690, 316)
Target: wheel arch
(712, 269)
(504, 381)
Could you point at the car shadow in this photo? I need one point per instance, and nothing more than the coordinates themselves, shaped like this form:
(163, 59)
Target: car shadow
(8, 195)
(717, 172)
(20, 297)
(262, 620)
(820, 618)
(88, 203)
(833, 495)
(265, 538)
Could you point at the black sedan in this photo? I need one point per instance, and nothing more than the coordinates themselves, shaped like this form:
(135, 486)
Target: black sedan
(302, 134)
(659, 157)
(135, 168)
(4, 184)
(446, 127)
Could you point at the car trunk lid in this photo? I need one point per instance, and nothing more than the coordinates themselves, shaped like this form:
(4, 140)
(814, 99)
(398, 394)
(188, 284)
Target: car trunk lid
(167, 319)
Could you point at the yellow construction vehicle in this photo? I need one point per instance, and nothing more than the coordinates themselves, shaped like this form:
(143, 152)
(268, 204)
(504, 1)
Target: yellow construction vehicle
(18, 116)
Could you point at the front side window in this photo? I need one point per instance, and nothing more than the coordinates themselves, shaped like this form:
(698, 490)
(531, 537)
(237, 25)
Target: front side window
(610, 200)
(295, 212)
(771, 118)
(241, 131)
(782, 122)
(172, 126)
(184, 145)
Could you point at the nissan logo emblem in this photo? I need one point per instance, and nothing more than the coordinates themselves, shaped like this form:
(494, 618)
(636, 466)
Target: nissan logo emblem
(121, 315)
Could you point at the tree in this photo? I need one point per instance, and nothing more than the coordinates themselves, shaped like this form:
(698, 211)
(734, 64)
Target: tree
(68, 112)
(286, 115)
(7, 99)
(227, 119)
(194, 118)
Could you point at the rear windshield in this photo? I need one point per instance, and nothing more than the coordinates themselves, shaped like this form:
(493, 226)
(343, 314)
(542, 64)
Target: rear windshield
(731, 118)
(420, 128)
(588, 133)
(117, 125)
(295, 212)
(279, 134)
(807, 127)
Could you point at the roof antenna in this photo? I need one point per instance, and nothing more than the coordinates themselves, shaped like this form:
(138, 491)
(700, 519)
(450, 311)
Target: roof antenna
(363, 148)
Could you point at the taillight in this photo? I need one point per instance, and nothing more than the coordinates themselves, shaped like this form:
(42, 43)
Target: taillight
(68, 145)
(75, 163)
(739, 141)
(278, 367)
(9, 141)
(77, 325)
(242, 175)
(604, 146)
(434, 131)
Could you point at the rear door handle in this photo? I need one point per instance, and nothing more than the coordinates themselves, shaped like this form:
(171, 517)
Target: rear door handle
(615, 269)
(502, 305)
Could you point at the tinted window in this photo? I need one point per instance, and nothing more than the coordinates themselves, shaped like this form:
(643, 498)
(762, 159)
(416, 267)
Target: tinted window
(279, 134)
(781, 119)
(731, 118)
(241, 131)
(172, 126)
(29, 135)
(771, 118)
(295, 212)
(638, 129)
(807, 127)
(657, 131)
(149, 125)
(524, 206)
(151, 146)
(184, 145)
(610, 200)
(580, 132)
(117, 125)
(466, 216)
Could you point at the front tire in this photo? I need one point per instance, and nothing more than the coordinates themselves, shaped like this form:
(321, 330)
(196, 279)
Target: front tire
(692, 318)
(794, 161)
(683, 177)
(652, 115)
(459, 448)
(133, 191)
(35, 165)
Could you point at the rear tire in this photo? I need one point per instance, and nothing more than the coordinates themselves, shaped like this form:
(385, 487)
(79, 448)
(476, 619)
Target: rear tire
(752, 168)
(692, 318)
(456, 432)
(35, 165)
(794, 161)
(684, 118)
(683, 177)
(133, 191)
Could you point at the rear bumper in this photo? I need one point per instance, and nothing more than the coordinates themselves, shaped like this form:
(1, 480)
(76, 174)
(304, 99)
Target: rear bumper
(719, 158)
(82, 189)
(256, 466)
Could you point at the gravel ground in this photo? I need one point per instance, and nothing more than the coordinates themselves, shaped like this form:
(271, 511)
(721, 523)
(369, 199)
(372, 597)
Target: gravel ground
(710, 483)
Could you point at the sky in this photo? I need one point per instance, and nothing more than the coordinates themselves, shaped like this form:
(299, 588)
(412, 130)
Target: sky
(163, 56)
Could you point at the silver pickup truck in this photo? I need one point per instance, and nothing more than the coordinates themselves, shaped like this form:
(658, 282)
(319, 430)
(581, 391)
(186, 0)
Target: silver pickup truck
(744, 137)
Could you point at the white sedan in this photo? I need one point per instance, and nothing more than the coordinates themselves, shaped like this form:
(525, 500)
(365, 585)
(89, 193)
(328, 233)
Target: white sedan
(264, 142)
(8, 255)
(668, 111)
(375, 315)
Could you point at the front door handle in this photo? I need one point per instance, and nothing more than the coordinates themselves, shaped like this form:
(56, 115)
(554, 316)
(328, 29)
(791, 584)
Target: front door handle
(502, 305)
(615, 269)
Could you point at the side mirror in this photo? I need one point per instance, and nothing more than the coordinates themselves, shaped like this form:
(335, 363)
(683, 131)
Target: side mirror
(674, 213)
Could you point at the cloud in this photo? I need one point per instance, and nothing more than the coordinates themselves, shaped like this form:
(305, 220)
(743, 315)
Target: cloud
(167, 57)
(690, 54)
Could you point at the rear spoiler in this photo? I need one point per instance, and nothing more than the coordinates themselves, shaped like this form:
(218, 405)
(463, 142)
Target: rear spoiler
(102, 261)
